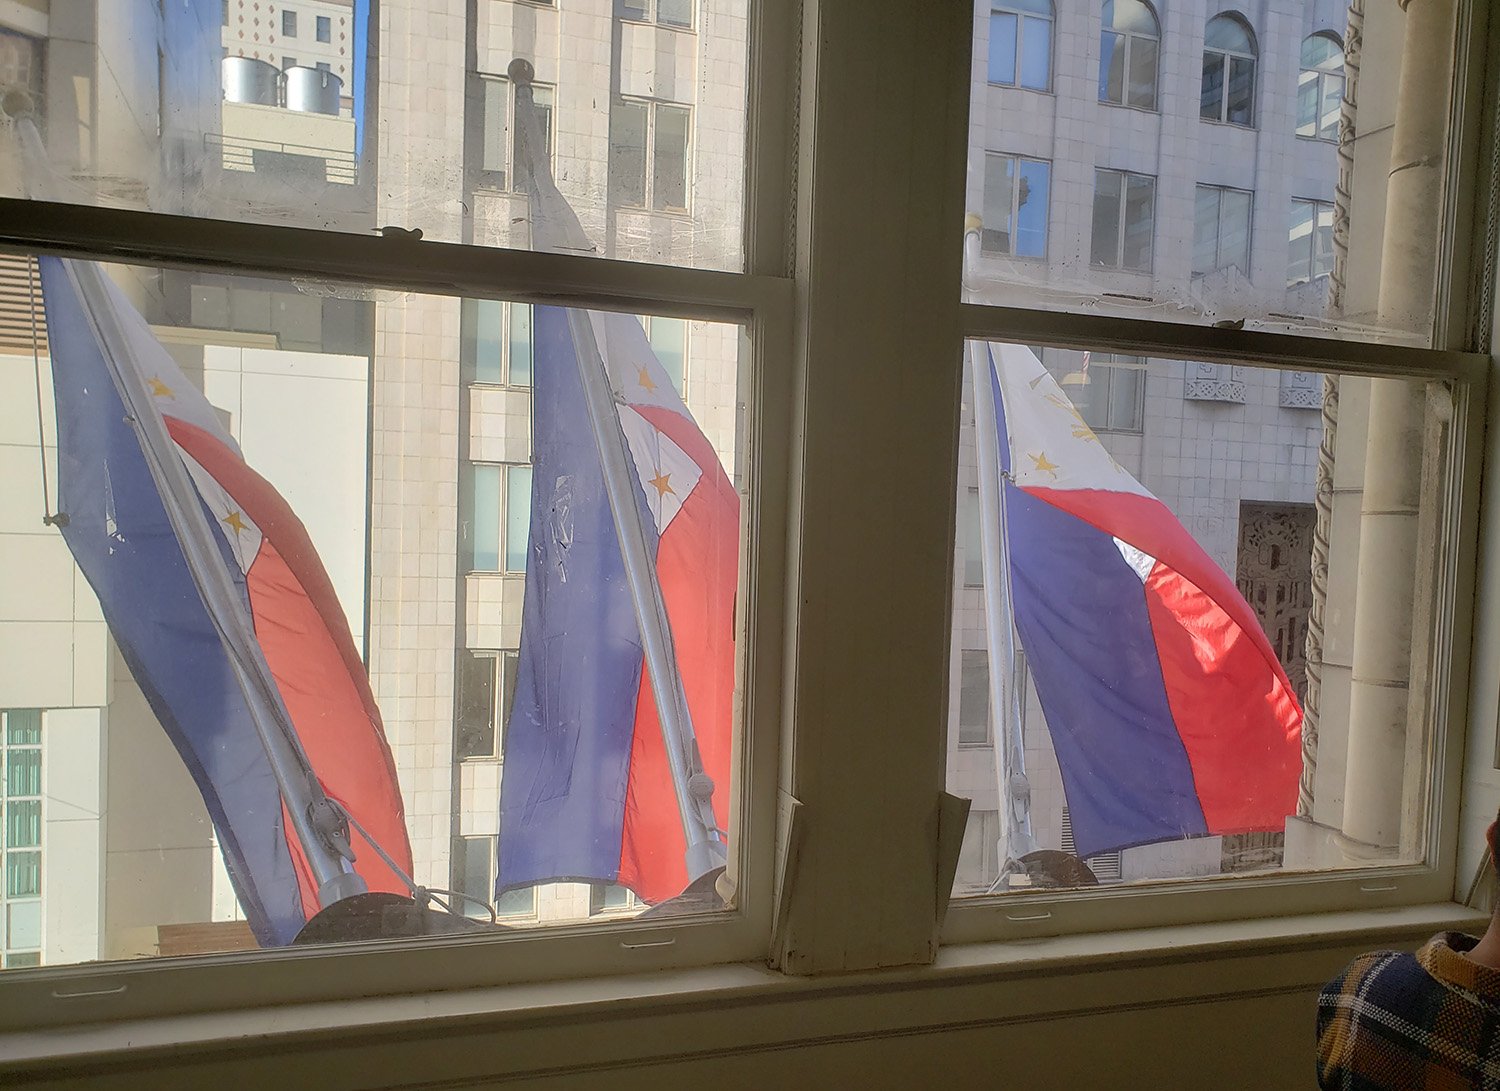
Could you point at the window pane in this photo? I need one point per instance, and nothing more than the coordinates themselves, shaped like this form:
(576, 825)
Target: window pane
(484, 519)
(1002, 62)
(1112, 68)
(1323, 242)
(1234, 240)
(23, 773)
(23, 824)
(1307, 104)
(1036, 54)
(520, 344)
(1299, 255)
(487, 317)
(476, 706)
(1129, 15)
(974, 698)
(508, 666)
(627, 153)
(999, 192)
(1206, 230)
(1105, 249)
(542, 96)
(361, 133)
(1142, 91)
(1333, 102)
(23, 727)
(669, 165)
(978, 866)
(669, 341)
(517, 516)
(1211, 107)
(1031, 218)
(973, 545)
(472, 863)
(24, 924)
(23, 875)
(520, 902)
(1221, 478)
(1241, 103)
(1140, 222)
(1224, 32)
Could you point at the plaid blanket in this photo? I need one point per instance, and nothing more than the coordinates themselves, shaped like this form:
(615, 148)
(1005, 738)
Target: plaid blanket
(1396, 1020)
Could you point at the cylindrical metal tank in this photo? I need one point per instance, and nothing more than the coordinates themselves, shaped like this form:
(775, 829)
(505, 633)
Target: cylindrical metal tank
(312, 90)
(250, 80)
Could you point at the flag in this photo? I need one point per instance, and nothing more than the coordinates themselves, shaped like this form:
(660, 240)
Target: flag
(586, 790)
(118, 529)
(1169, 712)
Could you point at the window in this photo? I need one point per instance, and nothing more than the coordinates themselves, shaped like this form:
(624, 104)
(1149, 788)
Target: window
(288, 23)
(610, 898)
(1228, 72)
(1021, 44)
(486, 684)
(971, 536)
(1108, 389)
(1124, 220)
(1129, 46)
(668, 337)
(325, 29)
(474, 877)
(974, 698)
(1016, 195)
(979, 857)
(1310, 252)
(21, 896)
(1221, 230)
(493, 144)
(1320, 87)
(669, 13)
(497, 520)
(323, 66)
(288, 62)
(497, 342)
(648, 155)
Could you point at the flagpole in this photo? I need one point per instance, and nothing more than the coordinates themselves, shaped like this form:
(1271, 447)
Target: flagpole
(318, 824)
(691, 785)
(1009, 745)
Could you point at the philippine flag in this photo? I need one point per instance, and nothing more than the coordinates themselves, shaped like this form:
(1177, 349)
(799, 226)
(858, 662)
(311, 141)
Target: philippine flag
(104, 358)
(1169, 712)
(586, 790)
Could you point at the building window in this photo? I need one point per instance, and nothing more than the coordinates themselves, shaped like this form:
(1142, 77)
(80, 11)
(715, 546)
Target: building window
(21, 895)
(1124, 220)
(497, 342)
(610, 898)
(1320, 87)
(1016, 195)
(288, 23)
(979, 855)
(648, 155)
(1108, 390)
(668, 337)
(288, 62)
(1228, 72)
(1221, 230)
(1129, 46)
(496, 524)
(667, 13)
(486, 686)
(474, 878)
(974, 698)
(1310, 239)
(324, 29)
(1021, 44)
(493, 140)
(970, 534)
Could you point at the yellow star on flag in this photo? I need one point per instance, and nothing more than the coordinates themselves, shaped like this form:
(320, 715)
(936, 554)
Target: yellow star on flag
(160, 389)
(235, 520)
(662, 483)
(645, 380)
(1041, 462)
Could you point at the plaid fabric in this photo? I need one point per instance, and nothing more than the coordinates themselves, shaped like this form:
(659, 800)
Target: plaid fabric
(1395, 1020)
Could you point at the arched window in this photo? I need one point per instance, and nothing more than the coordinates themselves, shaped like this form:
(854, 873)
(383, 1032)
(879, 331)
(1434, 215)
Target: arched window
(1320, 87)
(1021, 44)
(1129, 46)
(1228, 72)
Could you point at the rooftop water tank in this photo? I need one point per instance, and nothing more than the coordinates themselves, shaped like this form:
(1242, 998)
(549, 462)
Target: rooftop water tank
(312, 90)
(250, 80)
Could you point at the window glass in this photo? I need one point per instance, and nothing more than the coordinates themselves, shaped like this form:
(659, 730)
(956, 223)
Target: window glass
(627, 153)
(1310, 240)
(1140, 222)
(973, 546)
(1020, 48)
(1156, 577)
(670, 162)
(973, 699)
(1221, 236)
(1287, 70)
(1036, 55)
(999, 198)
(227, 135)
(542, 96)
(402, 430)
(1031, 212)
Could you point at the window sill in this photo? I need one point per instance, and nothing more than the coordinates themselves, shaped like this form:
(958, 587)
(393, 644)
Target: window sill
(1127, 106)
(1228, 124)
(1021, 87)
(755, 1008)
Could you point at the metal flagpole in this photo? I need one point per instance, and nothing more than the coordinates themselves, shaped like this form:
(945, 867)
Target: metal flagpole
(692, 787)
(319, 824)
(1005, 695)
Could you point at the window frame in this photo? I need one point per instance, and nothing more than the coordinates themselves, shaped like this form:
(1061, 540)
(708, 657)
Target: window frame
(502, 693)
(1317, 207)
(1249, 252)
(1320, 75)
(1015, 206)
(1022, 17)
(1127, 40)
(652, 16)
(1227, 57)
(469, 344)
(648, 201)
(1122, 227)
(491, 179)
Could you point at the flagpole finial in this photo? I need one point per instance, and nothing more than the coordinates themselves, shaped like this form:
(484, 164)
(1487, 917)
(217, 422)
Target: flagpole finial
(521, 72)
